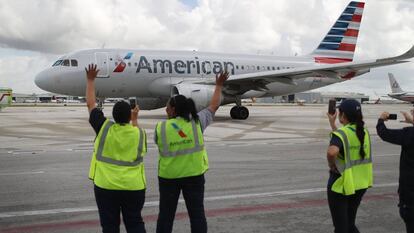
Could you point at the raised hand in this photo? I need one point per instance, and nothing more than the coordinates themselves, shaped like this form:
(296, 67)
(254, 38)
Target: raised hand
(91, 72)
(221, 78)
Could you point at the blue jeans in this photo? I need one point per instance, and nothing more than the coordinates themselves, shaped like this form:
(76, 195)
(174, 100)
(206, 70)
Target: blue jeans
(112, 202)
(193, 192)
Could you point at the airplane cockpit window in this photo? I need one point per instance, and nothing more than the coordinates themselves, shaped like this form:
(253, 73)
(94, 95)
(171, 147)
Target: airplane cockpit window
(73, 62)
(58, 62)
(65, 62)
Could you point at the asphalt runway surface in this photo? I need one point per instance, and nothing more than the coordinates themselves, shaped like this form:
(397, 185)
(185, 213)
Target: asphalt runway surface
(267, 173)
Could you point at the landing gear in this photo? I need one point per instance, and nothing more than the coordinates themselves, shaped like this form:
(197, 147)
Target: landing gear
(239, 112)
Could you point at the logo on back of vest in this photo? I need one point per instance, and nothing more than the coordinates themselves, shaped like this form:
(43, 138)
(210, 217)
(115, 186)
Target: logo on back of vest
(179, 131)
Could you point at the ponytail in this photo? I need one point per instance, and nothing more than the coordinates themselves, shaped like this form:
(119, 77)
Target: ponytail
(184, 107)
(360, 132)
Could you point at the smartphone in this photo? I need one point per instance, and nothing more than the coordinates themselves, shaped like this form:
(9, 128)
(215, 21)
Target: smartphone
(392, 117)
(133, 103)
(332, 106)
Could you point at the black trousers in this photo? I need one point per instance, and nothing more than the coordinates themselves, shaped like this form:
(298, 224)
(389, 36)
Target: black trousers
(193, 192)
(344, 210)
(407, 214)
(112, 202)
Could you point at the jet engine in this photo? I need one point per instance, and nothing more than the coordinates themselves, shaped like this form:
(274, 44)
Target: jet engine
(201, 94)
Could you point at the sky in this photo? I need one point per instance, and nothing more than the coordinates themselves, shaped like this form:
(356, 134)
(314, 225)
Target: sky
(33, 34)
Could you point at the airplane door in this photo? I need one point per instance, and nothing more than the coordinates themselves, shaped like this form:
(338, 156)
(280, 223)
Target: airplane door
(101, 59)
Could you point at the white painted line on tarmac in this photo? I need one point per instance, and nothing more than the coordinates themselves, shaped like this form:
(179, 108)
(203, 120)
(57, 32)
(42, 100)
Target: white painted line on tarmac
(21, 173)
(156, 203)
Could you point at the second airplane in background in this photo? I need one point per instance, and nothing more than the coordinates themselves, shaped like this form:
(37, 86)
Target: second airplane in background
(154, 75)
(397, 92)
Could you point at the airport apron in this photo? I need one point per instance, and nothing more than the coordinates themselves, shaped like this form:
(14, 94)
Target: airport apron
(117, 161)
(356, 172)
(181, 149)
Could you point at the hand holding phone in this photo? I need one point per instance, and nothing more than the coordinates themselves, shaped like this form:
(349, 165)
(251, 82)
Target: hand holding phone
(332, 106)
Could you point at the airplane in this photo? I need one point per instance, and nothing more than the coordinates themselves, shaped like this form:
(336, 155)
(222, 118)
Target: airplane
(153, 76)
(397, 92)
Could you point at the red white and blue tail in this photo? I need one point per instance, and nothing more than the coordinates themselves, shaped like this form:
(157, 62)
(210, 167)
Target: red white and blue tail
(339, 44)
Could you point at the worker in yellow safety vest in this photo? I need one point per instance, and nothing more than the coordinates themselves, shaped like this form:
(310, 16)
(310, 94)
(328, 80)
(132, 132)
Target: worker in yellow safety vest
(117, 168)
(350, 162)
(183, 158)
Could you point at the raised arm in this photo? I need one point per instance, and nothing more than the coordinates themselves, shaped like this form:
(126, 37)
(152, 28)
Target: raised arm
(134, 116)
(394, 136)
(215, 99)
(91, 73)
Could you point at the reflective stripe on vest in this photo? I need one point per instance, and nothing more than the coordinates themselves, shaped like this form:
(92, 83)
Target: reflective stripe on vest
(101, 158)
(165, 152)
(348, 162)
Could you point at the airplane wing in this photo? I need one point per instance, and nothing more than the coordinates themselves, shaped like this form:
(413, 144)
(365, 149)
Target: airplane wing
(258, 80)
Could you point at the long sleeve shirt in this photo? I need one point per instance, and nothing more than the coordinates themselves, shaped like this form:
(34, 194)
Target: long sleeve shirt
(405, 138)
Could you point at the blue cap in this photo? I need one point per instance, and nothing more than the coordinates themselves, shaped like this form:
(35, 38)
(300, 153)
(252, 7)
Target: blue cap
(350, 107)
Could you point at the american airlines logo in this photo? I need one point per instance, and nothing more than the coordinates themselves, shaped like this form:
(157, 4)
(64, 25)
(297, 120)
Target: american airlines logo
(395, 85)
(121, 66)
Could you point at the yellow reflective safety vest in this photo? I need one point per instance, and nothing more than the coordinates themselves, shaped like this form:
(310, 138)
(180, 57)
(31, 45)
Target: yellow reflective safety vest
(356, 172)
(117, 161)
(181, 149)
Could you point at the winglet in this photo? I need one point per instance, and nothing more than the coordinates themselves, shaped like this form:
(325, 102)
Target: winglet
(407, 55)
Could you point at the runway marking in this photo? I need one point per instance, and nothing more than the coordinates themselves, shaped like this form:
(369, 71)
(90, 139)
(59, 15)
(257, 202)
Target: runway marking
(21, 173)
(155, 203)
(247, 209)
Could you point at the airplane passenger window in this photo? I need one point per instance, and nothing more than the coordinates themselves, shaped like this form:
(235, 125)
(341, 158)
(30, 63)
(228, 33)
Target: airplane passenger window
(258, 67)
(136, 64)
(65, 62)
(129, 63)
(278, 68)
(273, 68)
(268, 68)
(242, 67)
(57, 63)
(237, 67)
(73, 62)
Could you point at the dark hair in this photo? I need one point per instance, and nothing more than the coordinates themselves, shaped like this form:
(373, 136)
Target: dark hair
(121, 112)
(356, 118)
(184, 107)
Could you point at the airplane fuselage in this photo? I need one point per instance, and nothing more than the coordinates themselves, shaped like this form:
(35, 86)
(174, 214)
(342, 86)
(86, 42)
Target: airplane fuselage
(149, 73)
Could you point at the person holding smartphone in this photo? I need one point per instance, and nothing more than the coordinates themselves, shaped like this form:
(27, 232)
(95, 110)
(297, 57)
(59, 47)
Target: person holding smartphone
(350, 165)
(117, 168)
(405, 138)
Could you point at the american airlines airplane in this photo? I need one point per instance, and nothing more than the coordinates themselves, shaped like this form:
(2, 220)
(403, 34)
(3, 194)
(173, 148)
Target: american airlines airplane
(397, 92)
(153, 75)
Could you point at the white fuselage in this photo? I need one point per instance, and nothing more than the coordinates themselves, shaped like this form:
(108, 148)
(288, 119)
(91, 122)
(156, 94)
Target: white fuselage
(150, 73)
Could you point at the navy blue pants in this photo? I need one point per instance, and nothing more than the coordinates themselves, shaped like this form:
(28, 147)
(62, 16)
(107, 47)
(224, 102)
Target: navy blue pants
(193, 192)
(112, 202)
(343, 208)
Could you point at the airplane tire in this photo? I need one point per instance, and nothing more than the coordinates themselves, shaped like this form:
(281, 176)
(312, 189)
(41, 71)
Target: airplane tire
(239, 113)
(234, 112)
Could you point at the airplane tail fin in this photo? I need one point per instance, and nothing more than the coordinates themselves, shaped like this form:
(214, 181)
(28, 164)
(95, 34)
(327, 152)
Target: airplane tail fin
(339, 44)
(395, 87)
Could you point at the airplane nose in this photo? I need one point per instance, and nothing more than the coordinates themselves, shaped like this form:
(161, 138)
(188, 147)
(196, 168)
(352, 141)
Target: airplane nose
(42, 80)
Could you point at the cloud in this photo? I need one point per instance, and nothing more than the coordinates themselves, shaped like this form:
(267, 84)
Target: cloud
(283, 27)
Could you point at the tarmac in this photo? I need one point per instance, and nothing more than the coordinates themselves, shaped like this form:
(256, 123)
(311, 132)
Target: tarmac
(267, 173)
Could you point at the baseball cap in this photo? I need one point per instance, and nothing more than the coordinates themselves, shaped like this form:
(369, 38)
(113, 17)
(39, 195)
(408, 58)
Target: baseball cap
(350, 107)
